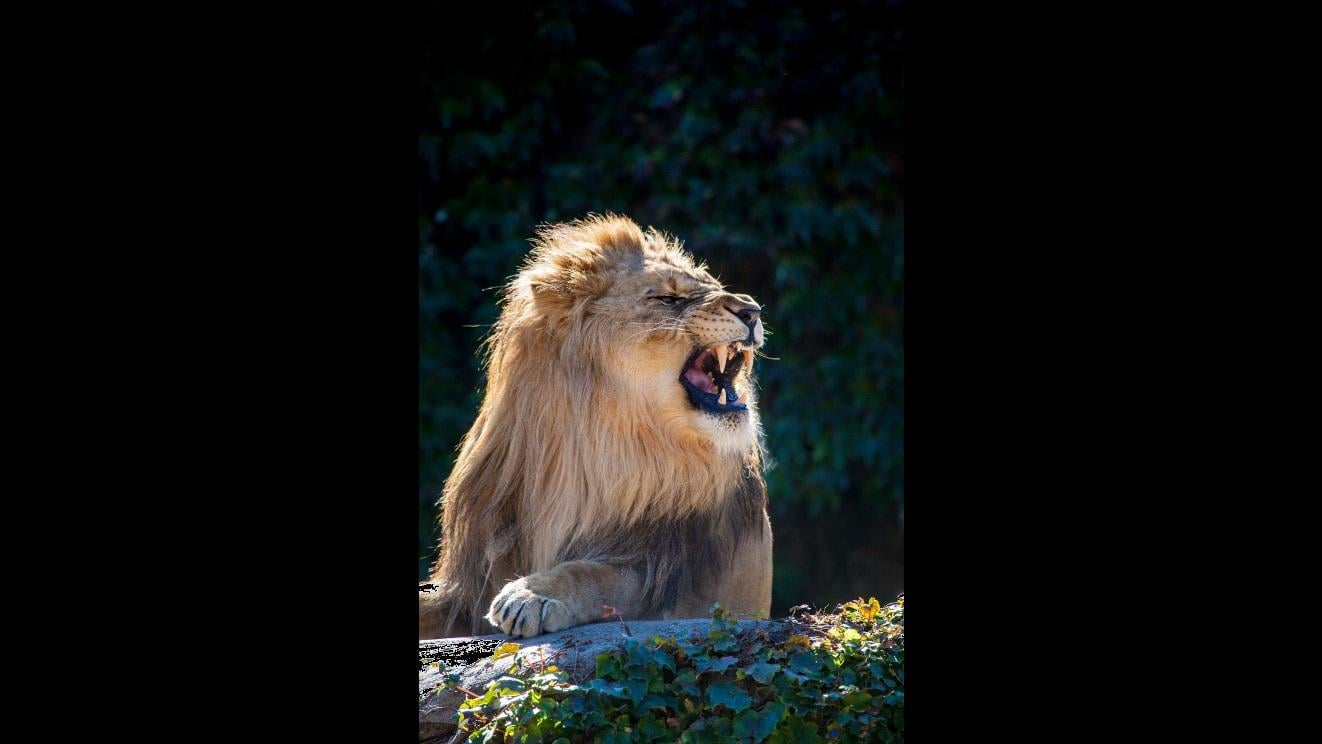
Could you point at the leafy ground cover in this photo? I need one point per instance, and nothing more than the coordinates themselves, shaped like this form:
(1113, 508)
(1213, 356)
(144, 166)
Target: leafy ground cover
(825, 677)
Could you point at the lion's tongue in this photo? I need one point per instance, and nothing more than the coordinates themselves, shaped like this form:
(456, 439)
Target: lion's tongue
(698, 378)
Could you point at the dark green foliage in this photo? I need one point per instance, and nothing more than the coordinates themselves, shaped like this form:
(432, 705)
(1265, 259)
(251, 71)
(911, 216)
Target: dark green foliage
(767, 136)
(842, 680)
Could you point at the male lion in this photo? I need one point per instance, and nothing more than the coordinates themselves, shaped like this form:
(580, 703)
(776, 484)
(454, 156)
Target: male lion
(616, 457)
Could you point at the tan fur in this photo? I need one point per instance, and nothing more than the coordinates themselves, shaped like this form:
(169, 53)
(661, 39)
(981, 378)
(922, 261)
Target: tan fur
(588, 478)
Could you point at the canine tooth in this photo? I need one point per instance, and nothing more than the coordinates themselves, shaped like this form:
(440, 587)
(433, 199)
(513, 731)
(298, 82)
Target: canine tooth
(720, 399)
(722, 352)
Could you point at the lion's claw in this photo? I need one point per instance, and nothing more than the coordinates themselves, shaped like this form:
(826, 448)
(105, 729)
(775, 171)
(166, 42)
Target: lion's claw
(522, 613)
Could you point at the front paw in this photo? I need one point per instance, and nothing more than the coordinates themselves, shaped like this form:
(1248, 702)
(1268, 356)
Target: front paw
(522, 613)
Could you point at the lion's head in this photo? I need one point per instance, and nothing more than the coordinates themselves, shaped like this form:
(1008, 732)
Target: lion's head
(652, 333)
(619, 399)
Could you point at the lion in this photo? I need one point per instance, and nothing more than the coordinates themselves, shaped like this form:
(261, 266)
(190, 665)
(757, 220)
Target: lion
(616, 459)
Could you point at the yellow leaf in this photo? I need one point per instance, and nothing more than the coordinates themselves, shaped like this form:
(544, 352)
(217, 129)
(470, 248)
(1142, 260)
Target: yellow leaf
(869, 611)
(505, 650)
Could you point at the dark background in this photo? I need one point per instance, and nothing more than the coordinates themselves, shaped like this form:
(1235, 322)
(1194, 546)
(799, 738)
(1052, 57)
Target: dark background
(769, 137)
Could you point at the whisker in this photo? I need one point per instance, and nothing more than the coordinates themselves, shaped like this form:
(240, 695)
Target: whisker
(654, 329)
(661, 327)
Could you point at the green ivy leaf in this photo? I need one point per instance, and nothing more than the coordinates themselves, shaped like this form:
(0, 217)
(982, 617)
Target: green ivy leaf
(660, 702)
(858, 700)
(714, 665)
(806, 663)
(607, 666)
(724, 693)
(795, 730)
(763, 671)
(636, 690)
(509, 683)
(757, 725)
(708, 730)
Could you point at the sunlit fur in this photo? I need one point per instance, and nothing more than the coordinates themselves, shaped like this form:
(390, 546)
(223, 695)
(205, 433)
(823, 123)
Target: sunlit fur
(584, 430)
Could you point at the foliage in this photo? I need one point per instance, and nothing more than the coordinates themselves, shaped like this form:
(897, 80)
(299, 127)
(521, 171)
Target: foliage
(767, 136)
(840, 679)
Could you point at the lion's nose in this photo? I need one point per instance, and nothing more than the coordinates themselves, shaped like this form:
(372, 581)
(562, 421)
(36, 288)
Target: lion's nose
(748, 312)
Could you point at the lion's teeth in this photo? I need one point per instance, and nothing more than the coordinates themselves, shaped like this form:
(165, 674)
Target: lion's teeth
(722, 352)
(720, 399)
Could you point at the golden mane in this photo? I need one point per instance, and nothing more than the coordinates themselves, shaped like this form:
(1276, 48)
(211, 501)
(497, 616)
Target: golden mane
(565, 461)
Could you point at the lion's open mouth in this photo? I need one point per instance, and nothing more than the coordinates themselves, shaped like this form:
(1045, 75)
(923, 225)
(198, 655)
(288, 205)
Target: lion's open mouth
(709, 376)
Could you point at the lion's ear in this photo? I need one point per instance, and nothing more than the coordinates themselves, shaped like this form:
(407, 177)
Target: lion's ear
(562, 279)
(551, 291)
(576, 261)
(555, 290)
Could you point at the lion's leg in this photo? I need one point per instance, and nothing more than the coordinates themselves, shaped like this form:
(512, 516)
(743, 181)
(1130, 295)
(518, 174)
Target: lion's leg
(569, 594)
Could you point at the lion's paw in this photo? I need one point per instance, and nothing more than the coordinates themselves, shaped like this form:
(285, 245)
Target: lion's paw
(522, 613)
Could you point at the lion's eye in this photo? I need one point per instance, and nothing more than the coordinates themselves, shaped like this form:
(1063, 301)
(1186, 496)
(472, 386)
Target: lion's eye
(668, 299)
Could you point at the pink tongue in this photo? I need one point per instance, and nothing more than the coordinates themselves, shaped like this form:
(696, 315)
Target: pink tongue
(699, 379)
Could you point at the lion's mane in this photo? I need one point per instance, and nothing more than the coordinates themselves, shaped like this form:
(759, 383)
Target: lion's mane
(561, 465)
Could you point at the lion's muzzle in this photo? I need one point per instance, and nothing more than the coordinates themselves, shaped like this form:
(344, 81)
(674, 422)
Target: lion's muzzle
(727, 330)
